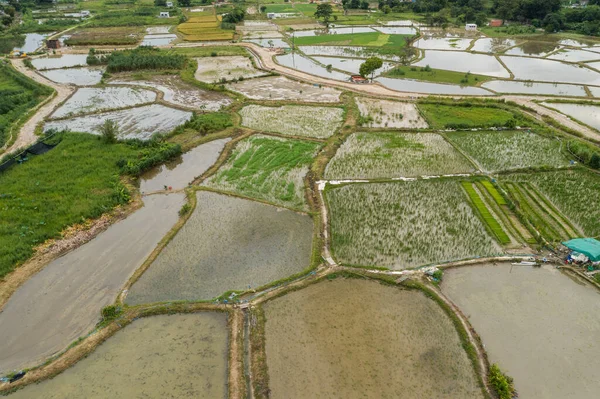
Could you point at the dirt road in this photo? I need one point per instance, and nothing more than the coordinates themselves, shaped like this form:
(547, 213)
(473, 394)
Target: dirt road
(27, 135)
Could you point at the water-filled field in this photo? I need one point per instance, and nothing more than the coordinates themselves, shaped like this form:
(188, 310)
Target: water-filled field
(281, 88)
(293, 120)
(75, 76)
(464, 62)
(50, 311)
(539, 325)
(356, 339)
(588, 114)
(505, 150)
(389, 155)
(139, 123)
(215, 69)
(178, 173)
(182, 356)
(227, 244)
(88, 99)
(405, 224)
(64, 61)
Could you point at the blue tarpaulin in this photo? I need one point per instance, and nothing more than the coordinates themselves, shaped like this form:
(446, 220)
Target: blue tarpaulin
(590, 247)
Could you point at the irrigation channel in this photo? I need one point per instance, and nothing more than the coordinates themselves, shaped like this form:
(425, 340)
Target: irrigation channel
(50, 323)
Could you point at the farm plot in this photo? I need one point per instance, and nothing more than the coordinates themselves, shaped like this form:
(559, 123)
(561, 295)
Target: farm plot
(134, 123)
(405, 224)
(512, 307)
(75, 76)
(227, 244)
(390, 114)
(281, 88)
(134, 362)
(293, 120)
(87, 99)
(267, 168)
(178, 92)
(389, 155)
(220, 69)
(452, 117)
(574, 193)
(505, 150)
(355, 339)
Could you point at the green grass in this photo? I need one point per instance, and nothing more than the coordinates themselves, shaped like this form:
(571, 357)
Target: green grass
(76, 180)
(485, 214)
(436, 75)
(18, 95)
(493, 192)
(447, 116)
(267, 168)
(368, 39)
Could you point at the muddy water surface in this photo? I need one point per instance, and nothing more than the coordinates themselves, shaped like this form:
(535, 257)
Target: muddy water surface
(539, 325)
(360, 339)
(180, 172)
(177, 356)
(63, 301)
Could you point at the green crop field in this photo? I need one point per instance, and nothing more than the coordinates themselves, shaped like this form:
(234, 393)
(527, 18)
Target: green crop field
(485, 214)
(386, 155)
(505, 150)
(436, 75)
(405, 224)
(448, 116)
(267, 168)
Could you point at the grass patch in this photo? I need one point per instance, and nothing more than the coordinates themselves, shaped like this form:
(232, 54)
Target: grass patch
(267, 168)
(436, 75)
(485, 214)
(455, 117)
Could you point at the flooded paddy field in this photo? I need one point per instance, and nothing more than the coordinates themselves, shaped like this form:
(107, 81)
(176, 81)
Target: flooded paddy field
(442, 43)
(356, 338)
(588, 114)
(140, 123)
(64, 61)
(550, 71)
(63, 301)
(307, 65)
(415, 86)
(390, 114)
(293, 120)
(554, 89)
(405, 224)
(464, 62)
(493, 45)
(214, 69)
(504, 150)
(350, 65)
(180, 172)
(181, 355)
(178, 92)
(281, 88)
(390, 155)
(539, 324)
(89, 99)
(268, 168)
(227, 244)
(75, 76)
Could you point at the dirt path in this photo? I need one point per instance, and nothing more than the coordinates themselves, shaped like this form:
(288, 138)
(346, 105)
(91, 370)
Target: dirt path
(27, 135)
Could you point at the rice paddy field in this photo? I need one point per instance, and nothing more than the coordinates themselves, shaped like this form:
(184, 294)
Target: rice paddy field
(355, 339)
(390, 155)
(505, 150)
(227, 244)
(183, 356)
(281, 88)
(267, 168)
(405, 224)
(512, 307)
(448, 116)
(390, 114)
(293, 120)
(88, 99)
(226, 69)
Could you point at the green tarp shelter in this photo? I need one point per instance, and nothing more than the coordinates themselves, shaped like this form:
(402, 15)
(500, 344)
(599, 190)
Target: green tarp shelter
(590, 247)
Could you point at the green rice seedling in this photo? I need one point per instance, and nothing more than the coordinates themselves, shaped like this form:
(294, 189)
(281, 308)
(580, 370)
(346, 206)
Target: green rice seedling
(485, 214)
(387, 155)
(267, 168)
(293, 120)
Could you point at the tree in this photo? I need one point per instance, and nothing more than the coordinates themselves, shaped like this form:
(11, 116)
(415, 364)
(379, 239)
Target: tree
(324, 11)
(370, 66)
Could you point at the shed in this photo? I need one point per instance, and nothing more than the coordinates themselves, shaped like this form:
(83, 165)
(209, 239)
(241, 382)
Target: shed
(471, 26)
(495, 23)
(590, 247)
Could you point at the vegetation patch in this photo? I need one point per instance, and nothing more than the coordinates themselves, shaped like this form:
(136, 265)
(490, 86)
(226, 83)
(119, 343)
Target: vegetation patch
(505, 150)
(293, 120)
(456, 117)
(388, 155)
(405, 224)
(267, 168)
